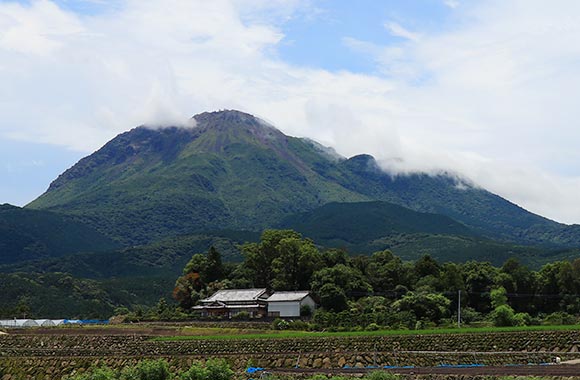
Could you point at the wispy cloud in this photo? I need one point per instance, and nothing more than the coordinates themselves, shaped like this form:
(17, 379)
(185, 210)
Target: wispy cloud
(452, 3)
(398, 31)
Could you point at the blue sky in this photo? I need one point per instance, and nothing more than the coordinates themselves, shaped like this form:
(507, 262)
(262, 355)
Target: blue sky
(486, 89)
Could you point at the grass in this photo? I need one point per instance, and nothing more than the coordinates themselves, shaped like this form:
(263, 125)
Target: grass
(234, 334)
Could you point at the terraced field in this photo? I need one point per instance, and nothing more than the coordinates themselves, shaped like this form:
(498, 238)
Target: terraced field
(35, 353)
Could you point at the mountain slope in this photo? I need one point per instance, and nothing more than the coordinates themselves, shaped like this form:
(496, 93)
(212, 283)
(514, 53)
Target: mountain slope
(30, 234)
(233, 171)
(357, 223)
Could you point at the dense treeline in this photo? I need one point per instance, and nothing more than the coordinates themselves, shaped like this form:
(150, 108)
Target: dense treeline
(383, 290)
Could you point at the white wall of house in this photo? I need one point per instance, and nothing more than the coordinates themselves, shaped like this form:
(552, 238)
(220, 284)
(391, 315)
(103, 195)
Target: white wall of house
(290, 308)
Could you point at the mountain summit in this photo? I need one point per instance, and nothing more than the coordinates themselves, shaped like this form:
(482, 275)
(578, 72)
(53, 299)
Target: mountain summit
(235, 171)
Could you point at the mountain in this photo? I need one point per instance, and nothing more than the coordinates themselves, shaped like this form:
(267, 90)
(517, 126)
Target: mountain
(356, 223)
(234, 171)
(31, 235)
(367, 227)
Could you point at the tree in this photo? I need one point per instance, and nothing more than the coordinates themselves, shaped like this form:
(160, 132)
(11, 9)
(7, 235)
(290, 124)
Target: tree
(503, 315)
(187, 288)
(332, 297)
(197, 264)
(259, 256)
(350, 280)
(386, 271)
(498, 297)
(479, 279)
(334, 256)
(214, 269)
(297, 260)
(425, 306)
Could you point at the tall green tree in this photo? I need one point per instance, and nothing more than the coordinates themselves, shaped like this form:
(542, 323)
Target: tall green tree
(259, 256)
(386, 271)
(298, 259)
(350, 280)
(214, 269)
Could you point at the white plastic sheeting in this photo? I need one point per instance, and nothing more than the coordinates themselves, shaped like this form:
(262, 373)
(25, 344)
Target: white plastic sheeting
(16, 323)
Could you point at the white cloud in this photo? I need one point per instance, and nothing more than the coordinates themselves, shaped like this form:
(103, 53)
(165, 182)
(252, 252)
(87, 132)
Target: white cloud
(493, 97)
(399, 31)
(452, 3)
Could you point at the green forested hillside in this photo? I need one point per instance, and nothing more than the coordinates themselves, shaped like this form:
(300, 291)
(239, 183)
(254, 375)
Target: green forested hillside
(30, 235)
(232, 171)
(360, 222)
(163, 258)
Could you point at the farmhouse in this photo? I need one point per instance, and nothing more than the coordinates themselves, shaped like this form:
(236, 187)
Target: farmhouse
(289, 304)
(229, 302)
(256, 302)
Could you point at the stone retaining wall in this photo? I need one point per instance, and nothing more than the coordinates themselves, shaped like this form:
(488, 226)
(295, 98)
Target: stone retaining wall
(51, 356)
(54, 368)
(77, 345)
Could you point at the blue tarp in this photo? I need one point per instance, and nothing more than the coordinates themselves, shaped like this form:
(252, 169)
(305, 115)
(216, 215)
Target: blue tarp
(254, 369)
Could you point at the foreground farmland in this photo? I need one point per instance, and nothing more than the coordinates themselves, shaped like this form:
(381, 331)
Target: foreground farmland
(52, 353)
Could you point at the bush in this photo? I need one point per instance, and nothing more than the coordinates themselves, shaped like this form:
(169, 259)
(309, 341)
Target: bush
(214, 369)
(560, 318)
(147, 370)
(503, 315)
(196, 372)
(299, 325)
(218, 369)
(372, 327)
(280, 324)
(242, 316)
(305, 311)
(522, 319)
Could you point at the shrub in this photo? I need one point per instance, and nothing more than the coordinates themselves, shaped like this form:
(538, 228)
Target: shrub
(522, 319)
(280, 324)
(503, 315)
(147, 370)
(242, 316)
(560, 318)
(299, 325)
(196, 372)
(305, 311)
(372, 327)
(214, 369)
(218, 369)
(97, 373)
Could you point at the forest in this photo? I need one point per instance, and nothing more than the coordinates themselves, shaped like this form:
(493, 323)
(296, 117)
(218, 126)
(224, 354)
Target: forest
(383, 291)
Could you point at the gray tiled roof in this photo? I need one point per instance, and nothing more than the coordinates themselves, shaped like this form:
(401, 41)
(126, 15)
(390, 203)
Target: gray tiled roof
(236, 295)
(288, 296)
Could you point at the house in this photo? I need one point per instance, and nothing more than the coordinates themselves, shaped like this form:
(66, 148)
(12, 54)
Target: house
(229, 302)
(289, 304)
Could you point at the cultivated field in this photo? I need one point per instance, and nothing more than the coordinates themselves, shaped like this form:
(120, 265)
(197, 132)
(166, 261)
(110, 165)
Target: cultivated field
(53, 352)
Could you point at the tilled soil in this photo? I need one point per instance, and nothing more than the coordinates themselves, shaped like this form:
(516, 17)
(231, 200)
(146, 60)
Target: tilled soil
(524, 370)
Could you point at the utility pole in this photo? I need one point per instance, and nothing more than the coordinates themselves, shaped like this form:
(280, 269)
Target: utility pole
(459, 308)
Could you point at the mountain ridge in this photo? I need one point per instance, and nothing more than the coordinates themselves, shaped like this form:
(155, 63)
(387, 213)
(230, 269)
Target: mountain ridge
(235, 171)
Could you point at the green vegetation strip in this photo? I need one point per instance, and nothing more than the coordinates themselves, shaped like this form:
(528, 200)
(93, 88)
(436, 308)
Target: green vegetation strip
(307, 334)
